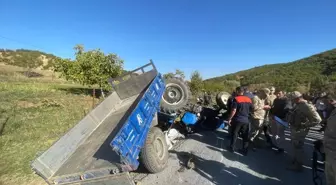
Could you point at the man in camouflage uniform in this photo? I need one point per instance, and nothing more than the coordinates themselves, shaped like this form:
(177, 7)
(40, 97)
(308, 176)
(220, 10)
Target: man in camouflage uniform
(258, 114)
(272, 95)
(301, 118)
(330, 145)
(269, 101)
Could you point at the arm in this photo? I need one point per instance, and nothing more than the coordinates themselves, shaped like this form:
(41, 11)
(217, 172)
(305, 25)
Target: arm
(256, 104)
(233, 111)
(312, 116)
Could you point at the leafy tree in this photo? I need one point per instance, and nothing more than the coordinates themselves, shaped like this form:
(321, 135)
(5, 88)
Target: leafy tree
(319, 83)
(196, 82)
(178, 73)
(90, 67)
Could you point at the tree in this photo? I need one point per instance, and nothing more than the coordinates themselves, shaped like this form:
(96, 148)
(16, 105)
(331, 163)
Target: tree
(319, 83)
(196, 82)
(90, 67)
(178, 73)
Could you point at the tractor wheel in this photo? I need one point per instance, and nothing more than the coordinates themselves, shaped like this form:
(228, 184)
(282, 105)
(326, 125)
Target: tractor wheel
(176, 96)
(221, 99)
(154, 155)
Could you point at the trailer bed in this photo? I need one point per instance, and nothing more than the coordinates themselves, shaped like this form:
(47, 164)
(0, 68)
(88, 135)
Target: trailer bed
(92, 154)
(108, 140)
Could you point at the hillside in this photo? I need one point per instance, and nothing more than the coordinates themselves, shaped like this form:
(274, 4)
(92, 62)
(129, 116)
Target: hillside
(310, 73)
(27, 58)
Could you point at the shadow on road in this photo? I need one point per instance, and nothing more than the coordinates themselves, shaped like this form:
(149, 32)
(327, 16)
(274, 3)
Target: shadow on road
(264, 166)
(217, 172)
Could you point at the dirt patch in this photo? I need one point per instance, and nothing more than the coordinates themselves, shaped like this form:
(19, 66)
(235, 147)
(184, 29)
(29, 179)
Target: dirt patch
(44, 103)
(27, 104)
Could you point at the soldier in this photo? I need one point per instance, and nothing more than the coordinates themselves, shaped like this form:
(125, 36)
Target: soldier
(301, 118)
(272, 95)
(269, 101)
(258, 114)
(330, 145)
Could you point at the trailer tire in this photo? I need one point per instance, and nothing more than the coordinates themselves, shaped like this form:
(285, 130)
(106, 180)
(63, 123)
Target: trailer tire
(154, 155)
(176, 95)
(221, 99)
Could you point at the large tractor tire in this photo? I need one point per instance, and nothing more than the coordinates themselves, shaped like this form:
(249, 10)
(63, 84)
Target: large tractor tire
(154, 155)
(176, 96)
(222, 98)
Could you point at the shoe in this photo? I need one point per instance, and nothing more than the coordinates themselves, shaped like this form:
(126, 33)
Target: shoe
(243, 152)
(295, 167)
(280, 150)
(230, 149)
(270, 145)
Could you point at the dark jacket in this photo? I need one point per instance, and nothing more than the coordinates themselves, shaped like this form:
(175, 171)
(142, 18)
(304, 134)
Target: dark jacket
(278, 108)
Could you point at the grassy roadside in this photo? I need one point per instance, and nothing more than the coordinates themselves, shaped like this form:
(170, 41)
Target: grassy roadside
(33, 115)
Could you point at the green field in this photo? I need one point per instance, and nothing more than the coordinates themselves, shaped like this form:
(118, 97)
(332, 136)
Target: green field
(34, 113)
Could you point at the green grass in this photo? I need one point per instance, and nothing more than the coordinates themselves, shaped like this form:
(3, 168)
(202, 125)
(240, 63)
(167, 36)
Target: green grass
(35, 114)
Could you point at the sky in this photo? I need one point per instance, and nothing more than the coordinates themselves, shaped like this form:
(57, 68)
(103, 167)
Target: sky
(215, 37)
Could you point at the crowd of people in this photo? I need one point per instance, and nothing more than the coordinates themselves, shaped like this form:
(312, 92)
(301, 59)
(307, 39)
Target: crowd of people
(272, 111)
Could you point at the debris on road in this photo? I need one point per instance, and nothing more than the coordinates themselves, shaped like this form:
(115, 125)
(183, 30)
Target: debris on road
(171, 135)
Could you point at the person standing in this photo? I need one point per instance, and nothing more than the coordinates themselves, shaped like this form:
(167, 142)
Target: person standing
(320, 105)
(330, 102)
(229, 108)
(269, 101)
(258, 114)
(272, 95)
(239, 120)
(248, 93)
(330, 144)
(301, 118)
(279, 110)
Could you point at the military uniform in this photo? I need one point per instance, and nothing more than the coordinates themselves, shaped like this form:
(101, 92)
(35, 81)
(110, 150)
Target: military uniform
(268, 126)
(269, 101)
(258, 117)
(330, 149)
(301, 118)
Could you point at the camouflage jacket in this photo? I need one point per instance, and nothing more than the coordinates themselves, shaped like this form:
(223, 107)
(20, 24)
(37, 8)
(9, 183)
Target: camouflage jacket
(270, 99)
(303, 116)
(258, 108)
(330, 134)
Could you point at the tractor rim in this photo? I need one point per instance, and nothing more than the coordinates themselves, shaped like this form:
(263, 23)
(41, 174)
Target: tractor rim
(173, 95)
(159, 148)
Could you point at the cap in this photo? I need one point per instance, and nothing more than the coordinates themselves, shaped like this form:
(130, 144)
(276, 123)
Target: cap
(296, 94)
(272, 89)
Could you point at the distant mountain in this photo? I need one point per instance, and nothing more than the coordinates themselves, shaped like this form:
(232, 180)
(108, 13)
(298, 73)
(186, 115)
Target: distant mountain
(308, 73)
(27, 58)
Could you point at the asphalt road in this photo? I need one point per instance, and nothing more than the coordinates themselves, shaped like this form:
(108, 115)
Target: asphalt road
(213, 164)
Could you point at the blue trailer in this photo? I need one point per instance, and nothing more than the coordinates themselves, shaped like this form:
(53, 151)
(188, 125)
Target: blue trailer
(108, 142)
